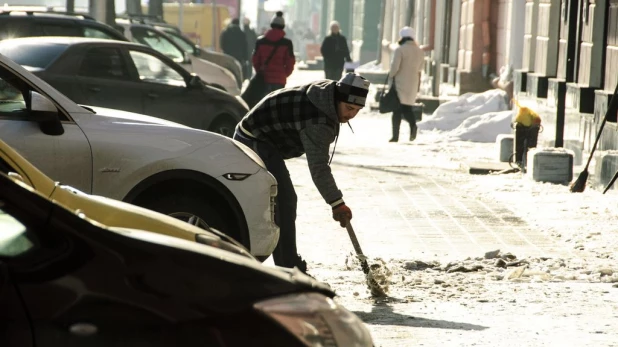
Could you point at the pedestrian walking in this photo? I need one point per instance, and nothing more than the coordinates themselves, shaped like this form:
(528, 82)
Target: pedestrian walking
(279, 49)
(234, 42)
(335, 52)
(301, 120)
(406, 66)
(251, 37)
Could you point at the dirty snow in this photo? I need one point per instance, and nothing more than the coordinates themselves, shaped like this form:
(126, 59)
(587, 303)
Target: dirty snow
(493, 297)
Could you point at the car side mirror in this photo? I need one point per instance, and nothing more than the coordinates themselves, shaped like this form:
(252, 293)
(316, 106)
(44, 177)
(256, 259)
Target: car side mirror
(196, 82)
(187, 58)
(45, 112)
(197, 51)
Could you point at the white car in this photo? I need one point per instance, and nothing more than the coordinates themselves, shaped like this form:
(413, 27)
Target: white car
(194, 175)
(156, 39)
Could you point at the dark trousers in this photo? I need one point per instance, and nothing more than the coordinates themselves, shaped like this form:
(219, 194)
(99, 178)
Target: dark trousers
(285, 253)
(333, 73)
(247, 70)
(272, 87)
(405, 112)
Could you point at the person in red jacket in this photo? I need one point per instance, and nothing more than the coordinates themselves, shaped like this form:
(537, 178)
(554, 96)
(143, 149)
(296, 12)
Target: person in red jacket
(280, 66)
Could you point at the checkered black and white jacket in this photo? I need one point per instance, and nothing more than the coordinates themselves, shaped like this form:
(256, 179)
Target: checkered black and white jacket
(300, 120)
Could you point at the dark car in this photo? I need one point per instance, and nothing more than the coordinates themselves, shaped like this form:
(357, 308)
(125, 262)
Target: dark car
(16, 24)
(67, 281)
(126, 76)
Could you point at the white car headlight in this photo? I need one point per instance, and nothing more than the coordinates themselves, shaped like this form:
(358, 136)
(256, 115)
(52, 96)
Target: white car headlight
(317, 320)
(250, 153)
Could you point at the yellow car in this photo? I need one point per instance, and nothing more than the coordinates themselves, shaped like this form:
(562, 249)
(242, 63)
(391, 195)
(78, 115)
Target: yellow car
(107, 211)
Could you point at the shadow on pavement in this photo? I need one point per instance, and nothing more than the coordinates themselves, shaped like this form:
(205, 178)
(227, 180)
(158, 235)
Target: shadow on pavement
(388, 168)
(382, 314)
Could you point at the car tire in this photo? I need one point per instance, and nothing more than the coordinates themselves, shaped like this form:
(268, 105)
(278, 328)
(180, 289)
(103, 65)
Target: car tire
(189, 207)
(224, 125)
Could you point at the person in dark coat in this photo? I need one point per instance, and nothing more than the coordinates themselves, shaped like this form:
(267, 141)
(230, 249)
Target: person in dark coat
(251, 40)
(335, 52)
(291, 122)
(234, 42)
(281, 65)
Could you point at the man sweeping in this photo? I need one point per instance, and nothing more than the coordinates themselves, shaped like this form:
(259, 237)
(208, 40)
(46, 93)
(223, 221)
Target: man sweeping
(291, 122)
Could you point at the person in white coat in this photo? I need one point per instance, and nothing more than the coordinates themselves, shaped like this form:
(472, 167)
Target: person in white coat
(406, 66)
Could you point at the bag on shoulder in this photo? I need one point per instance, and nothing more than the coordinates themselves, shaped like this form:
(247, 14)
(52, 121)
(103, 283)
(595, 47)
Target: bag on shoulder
(256, 89)
(417, 110)
(389, 101)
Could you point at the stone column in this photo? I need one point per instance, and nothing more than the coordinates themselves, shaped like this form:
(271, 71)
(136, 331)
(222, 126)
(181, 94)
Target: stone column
(548, 30)
(155, 8)
(324, 19)
(343, 11)
(370, 23)
(530, 30)
(103, 11)
(134, 7)
(592, 48)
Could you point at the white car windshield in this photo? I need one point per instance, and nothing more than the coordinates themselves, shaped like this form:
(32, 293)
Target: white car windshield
(186, 46)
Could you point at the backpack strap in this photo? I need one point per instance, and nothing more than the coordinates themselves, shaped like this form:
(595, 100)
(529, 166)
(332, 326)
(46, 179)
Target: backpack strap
(270, 56)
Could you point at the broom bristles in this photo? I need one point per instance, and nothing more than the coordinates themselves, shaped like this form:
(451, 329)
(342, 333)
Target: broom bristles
(580, 183)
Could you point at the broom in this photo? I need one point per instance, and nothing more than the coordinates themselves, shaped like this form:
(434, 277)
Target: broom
(580, 183)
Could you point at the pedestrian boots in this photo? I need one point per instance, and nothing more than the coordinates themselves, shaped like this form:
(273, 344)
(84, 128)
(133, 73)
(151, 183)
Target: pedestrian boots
(396, 126)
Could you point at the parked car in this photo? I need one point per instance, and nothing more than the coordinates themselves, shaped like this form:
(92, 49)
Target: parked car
(126, 76)
(146, 161)
(66, 280)
(221, 59)
(109, 211)
(16, 22)
(161, 42)
(29, 21)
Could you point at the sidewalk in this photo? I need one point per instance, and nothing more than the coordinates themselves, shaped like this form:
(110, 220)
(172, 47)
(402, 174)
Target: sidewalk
(432, 223)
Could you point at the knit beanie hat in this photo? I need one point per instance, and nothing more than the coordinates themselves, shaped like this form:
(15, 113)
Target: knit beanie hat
(278, 21)
(353, 89)
(407, 32)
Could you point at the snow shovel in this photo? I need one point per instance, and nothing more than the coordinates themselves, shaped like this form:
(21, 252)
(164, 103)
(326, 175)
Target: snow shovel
(375, 288)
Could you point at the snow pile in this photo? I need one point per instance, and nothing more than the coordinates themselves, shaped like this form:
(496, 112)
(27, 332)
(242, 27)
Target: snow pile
(370, 66)
(483, 128)
(476, 117)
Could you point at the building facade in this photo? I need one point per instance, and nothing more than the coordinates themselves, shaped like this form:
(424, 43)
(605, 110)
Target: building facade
(569, 75)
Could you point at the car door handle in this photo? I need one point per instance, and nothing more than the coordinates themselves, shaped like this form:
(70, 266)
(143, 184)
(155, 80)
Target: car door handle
(153, 95)
(94, 89)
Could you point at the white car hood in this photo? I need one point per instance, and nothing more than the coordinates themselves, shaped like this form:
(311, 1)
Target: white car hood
(131, 117)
